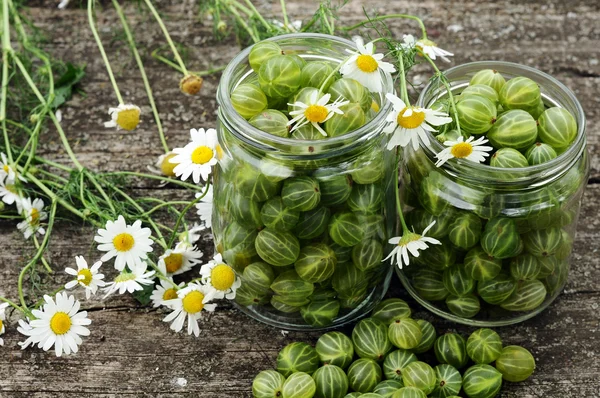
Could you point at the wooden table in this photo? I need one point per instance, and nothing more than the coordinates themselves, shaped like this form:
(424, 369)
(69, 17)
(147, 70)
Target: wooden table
(131, 352)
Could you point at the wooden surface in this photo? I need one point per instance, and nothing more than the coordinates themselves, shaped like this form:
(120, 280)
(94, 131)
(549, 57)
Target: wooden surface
(131, 352)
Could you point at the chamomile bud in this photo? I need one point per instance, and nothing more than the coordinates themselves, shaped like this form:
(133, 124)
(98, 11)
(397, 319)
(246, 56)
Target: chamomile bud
(222, 27)
(190, 84)
(165, 166)
(125, 117)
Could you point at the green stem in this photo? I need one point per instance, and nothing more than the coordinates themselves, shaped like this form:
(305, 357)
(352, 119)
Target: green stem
(397, 192)
(90, 11)
(184, 211)
(243, 23)
(390, 16)
(11, 303)
(258, 15)
(403, 88)
(444, 81)
(42, 258)
(166, 204)
(154, 177)
(95, 182)
(6, 52)
(167, 37)
(337, 68)
(286, 21)
(140, 64)
(53, 164)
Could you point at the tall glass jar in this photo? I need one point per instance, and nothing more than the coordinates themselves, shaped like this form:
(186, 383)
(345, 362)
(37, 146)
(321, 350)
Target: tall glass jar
(531, 209)
(311, 269)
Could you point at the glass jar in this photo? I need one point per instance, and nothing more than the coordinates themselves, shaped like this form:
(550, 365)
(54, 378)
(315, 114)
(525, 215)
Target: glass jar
(318, 268)
(528, 215)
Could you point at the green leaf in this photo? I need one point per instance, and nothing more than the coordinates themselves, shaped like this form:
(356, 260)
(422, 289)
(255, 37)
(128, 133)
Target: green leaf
(143, 296)
(63, 88)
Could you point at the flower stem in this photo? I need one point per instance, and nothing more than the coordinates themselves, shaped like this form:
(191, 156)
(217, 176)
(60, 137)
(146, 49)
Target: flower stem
(397, 192)
(403, 88)
(390, 16)
(167, 37)
(90, 10)
(42, 258)
(243, 23)
(184, 211)
(6, 52)
(444, 81)
(286, 21)
(11, 303)
(154, 177)
(258, 15)
(140, 64)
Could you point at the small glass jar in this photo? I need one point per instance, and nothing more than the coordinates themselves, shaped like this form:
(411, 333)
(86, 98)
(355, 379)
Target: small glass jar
(318, 268)
(528, 214)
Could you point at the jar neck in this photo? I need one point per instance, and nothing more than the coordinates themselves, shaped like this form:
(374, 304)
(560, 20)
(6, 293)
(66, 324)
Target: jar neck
(310, 46)
(553, 92)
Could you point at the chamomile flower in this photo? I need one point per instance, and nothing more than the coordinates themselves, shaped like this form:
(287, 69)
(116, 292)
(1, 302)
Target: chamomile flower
(9, 192)
(411, 243)
(432, 51)
(130, 281)
(7, 172)
(189, 237)
(165, 290)
(190, 84)
(88, 278)
(2, 319)
(471, 150)
(221, 278)
(25, 329)
(197, 157)
(130, 244)
(33, 214)
(189, 304)
(163, 165)
(125, 117)
(316, 111)
(365, 66)
(59, 323)
(205, 207)
(179, 260)
(409, 123)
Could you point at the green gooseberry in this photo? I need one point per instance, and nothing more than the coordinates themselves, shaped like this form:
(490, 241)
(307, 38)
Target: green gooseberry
(520, 93)
(428, 339)
(367, 254)
(476, 114)
(428, 283)
(515, 129)
(391, 309)
(246, 212)
(308, 132)
(525, 267)
(480, 266)
(420, 375)
(482, 381)
(297, 357)
(353, 300)
(373, 225)
(351, 90)
(274, 169)
(316, 262)
(267, 384)
(558, 278)
(299, 385)
(335, 186)
(543, 243)
(274, 214)
(484, 346)
(448, 381)
(251, 183)
(291, 288)
(245, 296)
(258, 276)
(527, 296)
(315, 73)
(481, 90)
(301, 193)
(387, 388)
(438, 257)
(344, 229)
(335, 348)
(508, 158)
(236, 235)
(405, 333)
(537, 111)
(368, 168)
(271, 121)
(288, 305)
(363, 375)
(395, 362)
(352, 118)
(277, 248)
(515, 363)
(420, 219)
(301, 62)
(451, 348)
(547, 266)
(342, 253)
(464, 306)
(501, 238)
(331, 382)
(465, 230)
(280, 76)
(450, 135)
(365, 198)
(248, 100)
(262, 52)
(370, 338)
(489, 77)
(457, 281)
(312, 223)
(432, 195)
(408, 392)
(347, 280)
(320, 314)
(496, 290)
(557, 127)
(540, 153)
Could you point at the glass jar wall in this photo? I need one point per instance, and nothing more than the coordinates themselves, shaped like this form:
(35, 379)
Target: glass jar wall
(506, 233)
(316, 264)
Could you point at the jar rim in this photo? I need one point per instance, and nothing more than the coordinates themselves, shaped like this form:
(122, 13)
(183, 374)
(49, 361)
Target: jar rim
(478, 171)
(243, 129)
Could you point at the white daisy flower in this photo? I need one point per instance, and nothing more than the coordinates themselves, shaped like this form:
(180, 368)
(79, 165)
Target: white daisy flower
(25, 328)
(432, 51)
(316, 111)
(411, 122)
(179, 260)
(33, 213)
(130, 244)
(409, 42)
(165, 290)
(88, 278)
(2, 319)
(125, 117)
(205, 207)
(190, 237)
(411, 243)
(6, 171)
(130, 281)
(221, 278)
(197, 157)
(190, 303)
(461, 149)
(9, 192)
(365, 66)
(57, 324)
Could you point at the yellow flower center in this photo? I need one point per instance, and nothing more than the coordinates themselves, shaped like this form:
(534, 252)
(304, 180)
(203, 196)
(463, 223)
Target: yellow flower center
(192, 302)
(123, 242)
(461, 150)
(60, 323)
(128, 119)
(202, 155)
(35, 215)
(87, 276)
(167, 167)
(410, 122)
(366, 63)
(169, 294)
(316, 113)
(222, 277)
(173, 262)
(408, 237)
(1, 324)
(6, 168)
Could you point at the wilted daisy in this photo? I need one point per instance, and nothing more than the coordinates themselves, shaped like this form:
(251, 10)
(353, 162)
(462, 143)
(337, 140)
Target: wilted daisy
(205, 207)
(365, 66)
(130, 244)
(88, 278)
(8, 192)
(165, 290)
(2, 319)
(58, 324)
(411, 122)
(125, 117)
(190, 303)
(461, 149)
(316, 111)
(33, 213)
(221, 278)
(190, 84)
(197, 157)
(179, 260)
(130, 281)
(25, 328)
(411, 243)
